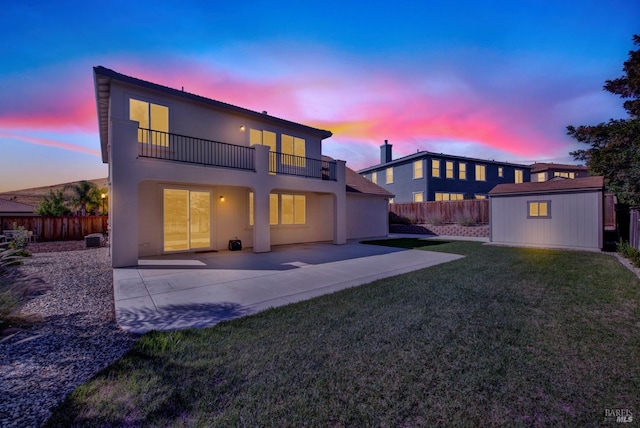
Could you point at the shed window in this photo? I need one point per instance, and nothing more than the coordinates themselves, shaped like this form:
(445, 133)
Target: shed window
(539, 209)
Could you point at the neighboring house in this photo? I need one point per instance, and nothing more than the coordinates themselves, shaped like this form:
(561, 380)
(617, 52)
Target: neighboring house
(546, 171)
(15, 209)
(561, 213)
(188, 173)
(427, 176)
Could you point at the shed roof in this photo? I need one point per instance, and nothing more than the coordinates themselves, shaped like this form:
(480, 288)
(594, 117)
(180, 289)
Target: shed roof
(7, 206)
(104, 76)
(562, 185)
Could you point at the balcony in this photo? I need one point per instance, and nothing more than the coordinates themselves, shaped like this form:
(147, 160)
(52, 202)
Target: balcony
(208, 153)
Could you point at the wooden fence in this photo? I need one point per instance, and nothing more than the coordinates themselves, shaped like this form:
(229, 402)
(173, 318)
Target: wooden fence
(610, 202)
(57, 228)
(444, 211)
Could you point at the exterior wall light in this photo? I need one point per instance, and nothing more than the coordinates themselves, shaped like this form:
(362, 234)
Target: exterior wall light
(221, 198)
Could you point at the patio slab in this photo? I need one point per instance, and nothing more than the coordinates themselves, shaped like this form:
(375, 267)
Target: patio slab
(199, 290)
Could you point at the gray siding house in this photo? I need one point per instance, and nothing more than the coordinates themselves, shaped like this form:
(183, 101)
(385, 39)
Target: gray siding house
(560, 213)
(427, 176)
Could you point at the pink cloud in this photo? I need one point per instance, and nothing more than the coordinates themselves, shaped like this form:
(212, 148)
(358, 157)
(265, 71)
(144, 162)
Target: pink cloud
(51, 143)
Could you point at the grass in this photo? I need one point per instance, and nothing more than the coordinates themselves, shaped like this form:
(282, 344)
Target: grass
(504, 336)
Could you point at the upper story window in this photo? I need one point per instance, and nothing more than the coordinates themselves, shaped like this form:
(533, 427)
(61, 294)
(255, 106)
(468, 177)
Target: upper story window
(449, 170)
(389, 175)
(295, 148)
(417, 169)
(265, 138)
(540, 177)
(435, 168)
(481, 173)
(153, 121)
(462, 171)
(374, 177)
(519, 176)
(564, 174)
(500, 171)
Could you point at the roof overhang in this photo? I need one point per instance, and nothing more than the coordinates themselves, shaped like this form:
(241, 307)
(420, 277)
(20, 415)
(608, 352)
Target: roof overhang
(103, 78)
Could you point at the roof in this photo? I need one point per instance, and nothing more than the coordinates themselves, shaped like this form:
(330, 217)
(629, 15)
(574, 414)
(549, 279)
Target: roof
(565, 185)
(425, 154)
(7, 206)
(102, 82)
(541, 166)
(358, 184)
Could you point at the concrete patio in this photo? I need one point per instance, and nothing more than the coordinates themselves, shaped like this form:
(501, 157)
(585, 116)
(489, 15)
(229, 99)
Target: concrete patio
(197, 290)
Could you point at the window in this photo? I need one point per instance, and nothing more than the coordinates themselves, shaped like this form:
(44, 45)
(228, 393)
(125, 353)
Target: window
(283, 209)
(440, 196)
(374, 177)
(481, 173)
(480, 196)
(417, 169)
(265, 138)
(564, 174)
(295, 148)
(389, 175)
(540, 177)
(539, 209)
(462, 171)
(273, 208)
(153, 119)
(519, 176)
(500, 171)
(449, 171)
(435, 168)
(418, 196)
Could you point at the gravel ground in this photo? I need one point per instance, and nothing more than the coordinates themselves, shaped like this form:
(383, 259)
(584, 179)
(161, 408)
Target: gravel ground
(76, 337)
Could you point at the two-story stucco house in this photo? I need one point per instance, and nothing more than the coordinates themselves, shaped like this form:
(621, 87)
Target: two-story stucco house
(188, 173)
(428, 176)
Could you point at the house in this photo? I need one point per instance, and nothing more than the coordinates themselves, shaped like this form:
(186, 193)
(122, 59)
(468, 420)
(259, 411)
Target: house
(188, 173)
(547, 171)
(10, 208)
(560, 213)
(427, 176)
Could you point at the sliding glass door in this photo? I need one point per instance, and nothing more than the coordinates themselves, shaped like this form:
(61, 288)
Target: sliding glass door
(187, 219)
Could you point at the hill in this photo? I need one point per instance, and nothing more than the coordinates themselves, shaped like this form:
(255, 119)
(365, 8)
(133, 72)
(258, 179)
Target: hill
(34, 195)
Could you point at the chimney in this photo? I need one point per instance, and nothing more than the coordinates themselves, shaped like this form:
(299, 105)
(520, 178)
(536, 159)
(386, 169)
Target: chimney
(385, 152)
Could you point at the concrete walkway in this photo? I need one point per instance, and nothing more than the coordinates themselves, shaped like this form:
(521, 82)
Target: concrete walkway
(198, 290)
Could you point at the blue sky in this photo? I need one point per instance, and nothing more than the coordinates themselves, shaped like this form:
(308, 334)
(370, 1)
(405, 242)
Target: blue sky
(496, 80)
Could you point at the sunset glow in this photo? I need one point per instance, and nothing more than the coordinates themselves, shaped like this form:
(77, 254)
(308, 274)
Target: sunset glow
(490, 85)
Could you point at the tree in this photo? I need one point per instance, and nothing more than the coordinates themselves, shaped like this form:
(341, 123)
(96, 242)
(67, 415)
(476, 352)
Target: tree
(85, 197)
(53, 205)
(615, 145)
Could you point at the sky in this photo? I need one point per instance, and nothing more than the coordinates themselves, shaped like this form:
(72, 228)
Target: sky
(491, 80)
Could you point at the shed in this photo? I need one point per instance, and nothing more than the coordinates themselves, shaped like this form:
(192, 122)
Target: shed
(13, 208)
(560, 213)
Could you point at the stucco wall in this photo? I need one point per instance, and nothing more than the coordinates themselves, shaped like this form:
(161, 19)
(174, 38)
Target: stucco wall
(576, 221)
(367, 216)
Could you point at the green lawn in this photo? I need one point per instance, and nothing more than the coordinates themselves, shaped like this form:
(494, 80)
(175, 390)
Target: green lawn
(504, 336)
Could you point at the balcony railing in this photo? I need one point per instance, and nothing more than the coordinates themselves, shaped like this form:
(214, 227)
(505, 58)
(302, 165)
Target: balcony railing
(180, 148)
(281, 163)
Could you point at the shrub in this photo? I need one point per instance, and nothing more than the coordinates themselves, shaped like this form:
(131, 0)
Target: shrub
(15, 286)
(398, 219)
(435, 219)
(629, 252)
(19, 241)
(466, 219)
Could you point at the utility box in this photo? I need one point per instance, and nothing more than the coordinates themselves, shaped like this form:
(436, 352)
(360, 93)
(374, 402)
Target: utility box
(93, 240)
